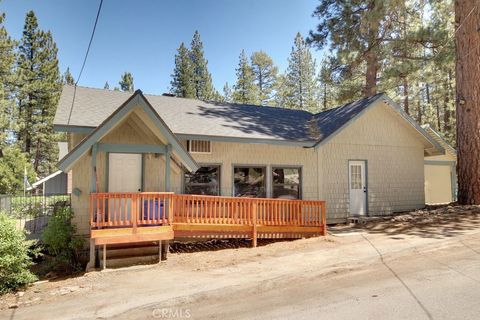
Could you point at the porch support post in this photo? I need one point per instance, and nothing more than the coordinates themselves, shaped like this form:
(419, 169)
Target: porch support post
(91, 262)
(165, 249)
(165, 243)
(93, 186)
(167, 167)
(104, 256)
(160, 251)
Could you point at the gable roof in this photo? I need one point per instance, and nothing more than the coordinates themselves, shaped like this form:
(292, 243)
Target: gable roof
(136, 100)
(195, 119)
(439, 138)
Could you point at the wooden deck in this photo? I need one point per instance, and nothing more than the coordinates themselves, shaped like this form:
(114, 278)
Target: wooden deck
(117, 218)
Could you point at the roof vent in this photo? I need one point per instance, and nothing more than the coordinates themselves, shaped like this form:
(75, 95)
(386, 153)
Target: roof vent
(168, 94)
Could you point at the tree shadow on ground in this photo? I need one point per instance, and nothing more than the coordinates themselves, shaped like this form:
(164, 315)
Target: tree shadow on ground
(439, 223)
(219, 244)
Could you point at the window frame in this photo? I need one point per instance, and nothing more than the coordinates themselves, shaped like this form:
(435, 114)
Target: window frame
(189, 146)
(219, 165)
(265, 175)
(300, 178)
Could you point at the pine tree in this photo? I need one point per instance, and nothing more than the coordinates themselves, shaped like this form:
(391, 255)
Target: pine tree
(227, 93)
(182, 84)
(68, 78)
(327, 93)
(106, 86)
(217, 97)
(300, 88)
(265, 73)
(356, 32)
(6, 82)
(39, 85)
(245, 91)
(126, 82)
(202, 79)
(468, 100)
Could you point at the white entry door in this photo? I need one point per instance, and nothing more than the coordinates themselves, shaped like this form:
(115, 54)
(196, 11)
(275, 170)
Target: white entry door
(125, 172)
(358, 188)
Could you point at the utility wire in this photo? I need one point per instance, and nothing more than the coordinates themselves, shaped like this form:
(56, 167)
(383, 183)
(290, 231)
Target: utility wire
(85, 59)
(90, 42)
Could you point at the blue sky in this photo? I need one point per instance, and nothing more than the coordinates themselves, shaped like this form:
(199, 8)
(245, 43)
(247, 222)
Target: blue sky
(142, 36)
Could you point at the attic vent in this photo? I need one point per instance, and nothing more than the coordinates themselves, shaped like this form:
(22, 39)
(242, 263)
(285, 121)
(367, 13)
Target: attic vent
(199, 146)
(168, 94)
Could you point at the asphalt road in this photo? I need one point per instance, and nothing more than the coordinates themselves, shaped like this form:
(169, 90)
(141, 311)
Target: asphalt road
(421, 284)
(363, 275)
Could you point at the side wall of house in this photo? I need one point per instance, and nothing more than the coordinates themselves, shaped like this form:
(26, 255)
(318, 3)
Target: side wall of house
(228, 154)
(394, 156)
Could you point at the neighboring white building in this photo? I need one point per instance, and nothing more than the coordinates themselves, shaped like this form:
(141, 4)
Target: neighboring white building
(440, 172)
(57, 182)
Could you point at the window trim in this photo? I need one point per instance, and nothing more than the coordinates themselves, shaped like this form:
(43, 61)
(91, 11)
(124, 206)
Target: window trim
(219, 165)
(189, 144)
(263, 166)
(300, 182)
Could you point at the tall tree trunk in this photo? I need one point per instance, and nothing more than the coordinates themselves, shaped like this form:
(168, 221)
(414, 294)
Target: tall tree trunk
(419, 112)
(467, 73)
(371, 74)
(406, 106)
(324, 96)
(437, 108)
(372, 55)
(446, 109)
(427, 90)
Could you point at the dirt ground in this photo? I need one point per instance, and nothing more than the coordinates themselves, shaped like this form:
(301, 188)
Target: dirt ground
(278, 276)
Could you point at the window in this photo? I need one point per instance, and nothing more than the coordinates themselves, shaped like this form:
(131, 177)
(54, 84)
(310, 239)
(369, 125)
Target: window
(249, 182)
(199, 146)
(205, 181)
(355, 177)
(286, 183)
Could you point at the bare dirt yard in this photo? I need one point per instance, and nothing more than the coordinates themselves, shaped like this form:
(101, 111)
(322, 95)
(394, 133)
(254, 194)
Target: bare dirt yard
(421, 265)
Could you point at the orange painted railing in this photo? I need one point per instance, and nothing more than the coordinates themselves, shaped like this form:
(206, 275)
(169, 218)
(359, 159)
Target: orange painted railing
(130, 209)
(247, 211)
(160, 208)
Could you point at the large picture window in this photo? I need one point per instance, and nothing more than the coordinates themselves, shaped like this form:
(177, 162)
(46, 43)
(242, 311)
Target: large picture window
(286, 183)
(205, 181)
(249, 182)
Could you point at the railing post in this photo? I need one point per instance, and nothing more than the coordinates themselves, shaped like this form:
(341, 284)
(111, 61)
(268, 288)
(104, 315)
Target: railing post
(171, 200)
(254, 218)
(324, 219)
(91, 210)
(134, 212)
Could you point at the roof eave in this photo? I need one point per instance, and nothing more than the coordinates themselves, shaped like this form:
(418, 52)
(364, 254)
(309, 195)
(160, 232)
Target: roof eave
(436, 148)
(137, 99)
(323, 141)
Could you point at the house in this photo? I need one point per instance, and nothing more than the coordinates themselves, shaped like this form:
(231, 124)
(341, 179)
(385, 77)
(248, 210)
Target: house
(440, 172)
(127, 151)
(56, 183)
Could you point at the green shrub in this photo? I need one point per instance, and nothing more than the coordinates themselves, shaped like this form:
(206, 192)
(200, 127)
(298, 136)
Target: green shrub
(60, 240)
(26, 209)
(14, 256)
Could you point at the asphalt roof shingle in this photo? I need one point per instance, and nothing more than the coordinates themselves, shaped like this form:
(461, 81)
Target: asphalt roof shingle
(195, 117)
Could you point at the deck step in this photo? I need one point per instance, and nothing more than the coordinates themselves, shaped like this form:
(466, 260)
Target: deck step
(136, 251)
(130, 254)
(127, 261)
